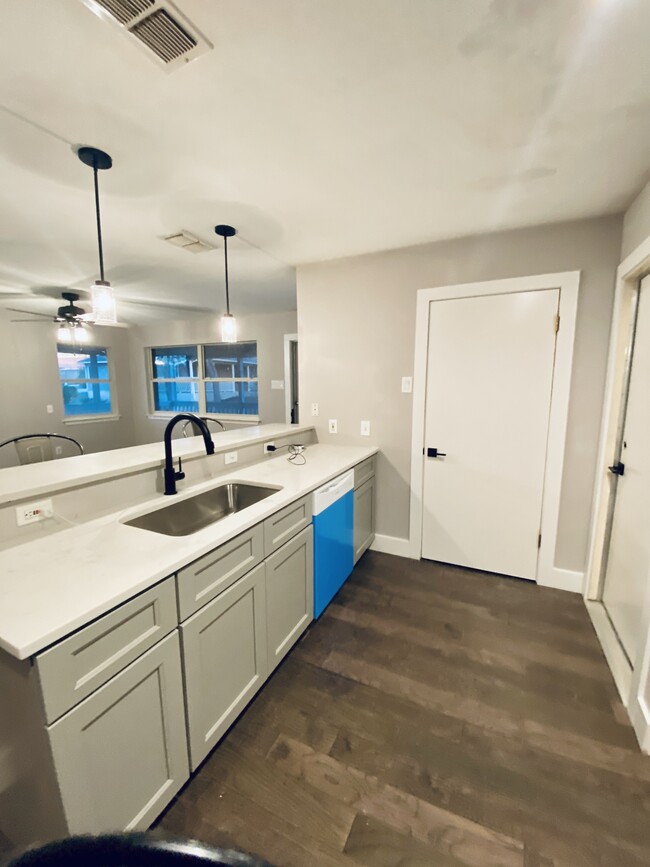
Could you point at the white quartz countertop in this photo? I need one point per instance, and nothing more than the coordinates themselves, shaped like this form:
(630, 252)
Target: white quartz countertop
(52, 586)
(34, 480)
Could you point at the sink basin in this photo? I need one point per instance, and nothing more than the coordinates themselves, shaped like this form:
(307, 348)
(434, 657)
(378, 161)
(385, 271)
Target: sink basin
(188, 516)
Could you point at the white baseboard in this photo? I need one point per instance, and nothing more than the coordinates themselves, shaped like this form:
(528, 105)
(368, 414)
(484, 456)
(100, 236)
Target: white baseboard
(562, 579)
(616, 659)
(391, 545)
(640, 716)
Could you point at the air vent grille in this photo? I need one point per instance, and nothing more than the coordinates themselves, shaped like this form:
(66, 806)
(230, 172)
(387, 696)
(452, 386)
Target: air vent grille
(125, 10)
(164, 36)
(158, 26)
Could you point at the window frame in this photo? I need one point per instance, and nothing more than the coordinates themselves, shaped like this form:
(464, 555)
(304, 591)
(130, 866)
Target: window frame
(114, 414)
(201, 379)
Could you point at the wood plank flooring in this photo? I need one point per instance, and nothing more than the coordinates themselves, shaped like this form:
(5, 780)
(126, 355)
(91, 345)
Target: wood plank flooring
(433, 716)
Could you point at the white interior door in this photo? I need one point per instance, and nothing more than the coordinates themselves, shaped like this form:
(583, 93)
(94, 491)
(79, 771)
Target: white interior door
(628, 562)
(488, 396)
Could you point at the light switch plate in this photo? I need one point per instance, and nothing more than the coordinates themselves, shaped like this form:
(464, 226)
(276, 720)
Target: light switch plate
(230, 458)
(407, 384)
(49, 408)
(314, 409)
(365, 428)
(333, 426)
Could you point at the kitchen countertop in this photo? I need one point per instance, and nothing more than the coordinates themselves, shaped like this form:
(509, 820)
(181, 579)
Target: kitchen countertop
(54, 585)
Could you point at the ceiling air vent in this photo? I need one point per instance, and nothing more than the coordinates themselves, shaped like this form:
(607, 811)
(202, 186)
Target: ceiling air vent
(158, 26)
(188, 242)
(125, 10)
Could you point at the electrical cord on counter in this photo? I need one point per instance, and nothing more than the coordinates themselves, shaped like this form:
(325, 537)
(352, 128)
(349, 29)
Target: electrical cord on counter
(296, 453)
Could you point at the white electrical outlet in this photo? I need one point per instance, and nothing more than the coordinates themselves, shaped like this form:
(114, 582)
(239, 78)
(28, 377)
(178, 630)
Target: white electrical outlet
(230, 458)
(332, 425)
(277, 384)
(49, 408)
(58, 450)
(267, 450)
(365, 428)
(314, 409)
(407, 384)
(31, 513)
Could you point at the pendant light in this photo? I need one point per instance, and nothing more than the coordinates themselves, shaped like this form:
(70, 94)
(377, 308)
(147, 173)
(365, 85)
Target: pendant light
(101, 292)
(228, 322)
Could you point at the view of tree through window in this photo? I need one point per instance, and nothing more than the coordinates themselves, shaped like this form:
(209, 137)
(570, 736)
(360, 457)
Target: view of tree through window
(85, 380)
(217, 378)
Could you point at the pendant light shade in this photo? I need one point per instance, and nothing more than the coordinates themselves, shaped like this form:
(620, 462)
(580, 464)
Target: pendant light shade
(228, 321)
(101, 292)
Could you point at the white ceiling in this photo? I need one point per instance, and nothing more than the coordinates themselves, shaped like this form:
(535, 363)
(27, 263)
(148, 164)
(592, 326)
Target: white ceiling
(319, 128)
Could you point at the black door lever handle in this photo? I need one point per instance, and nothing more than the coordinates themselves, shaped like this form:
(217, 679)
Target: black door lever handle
(434, 453)
(618, 469)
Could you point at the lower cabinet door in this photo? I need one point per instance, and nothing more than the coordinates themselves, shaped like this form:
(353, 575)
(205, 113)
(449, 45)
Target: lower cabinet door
(289, 594)
(224, 656)
(121, 755)
(364, 517)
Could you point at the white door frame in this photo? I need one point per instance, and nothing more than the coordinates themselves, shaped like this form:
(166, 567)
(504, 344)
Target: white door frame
(631, 680)
(568, 283)
(288, 338)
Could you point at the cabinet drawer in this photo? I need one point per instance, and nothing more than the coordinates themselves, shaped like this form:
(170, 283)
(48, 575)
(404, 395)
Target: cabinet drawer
(204, 579)
(364, 471)
(77, 666)
(121, 755)
(279, 528)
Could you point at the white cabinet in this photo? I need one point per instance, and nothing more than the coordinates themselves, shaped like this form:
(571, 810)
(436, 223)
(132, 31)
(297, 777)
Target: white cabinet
(289, 594)
(364, 517)
(121, 755)
(224, 659)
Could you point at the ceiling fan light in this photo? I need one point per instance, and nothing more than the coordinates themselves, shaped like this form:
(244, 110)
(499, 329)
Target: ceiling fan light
(228, 328)
(80, 334)
(63, 334)
(103, 303)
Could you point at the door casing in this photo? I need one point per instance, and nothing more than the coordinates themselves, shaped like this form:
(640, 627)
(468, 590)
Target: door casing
(632, 681)
(568, 283)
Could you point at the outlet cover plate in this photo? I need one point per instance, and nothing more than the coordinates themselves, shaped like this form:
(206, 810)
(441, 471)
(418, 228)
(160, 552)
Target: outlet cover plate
(333, 426)
(230, 458)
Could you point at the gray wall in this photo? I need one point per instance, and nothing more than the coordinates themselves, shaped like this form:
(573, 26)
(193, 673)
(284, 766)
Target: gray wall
(356, 323)
(30, 381)
(268, 329)
(636, 223)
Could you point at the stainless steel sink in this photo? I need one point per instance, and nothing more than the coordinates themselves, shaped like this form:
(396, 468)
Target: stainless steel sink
(188, 516)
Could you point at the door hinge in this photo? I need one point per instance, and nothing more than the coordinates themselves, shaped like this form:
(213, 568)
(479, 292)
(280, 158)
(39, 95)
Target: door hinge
(557, 322)
(539, 540)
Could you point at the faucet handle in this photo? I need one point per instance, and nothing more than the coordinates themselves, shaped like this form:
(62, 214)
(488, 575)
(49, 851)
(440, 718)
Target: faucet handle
(180, 474)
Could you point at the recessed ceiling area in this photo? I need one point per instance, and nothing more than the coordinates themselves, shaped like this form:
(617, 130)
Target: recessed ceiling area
(319, 129)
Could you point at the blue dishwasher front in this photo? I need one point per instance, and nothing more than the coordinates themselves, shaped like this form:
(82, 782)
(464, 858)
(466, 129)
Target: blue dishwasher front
(333, 519)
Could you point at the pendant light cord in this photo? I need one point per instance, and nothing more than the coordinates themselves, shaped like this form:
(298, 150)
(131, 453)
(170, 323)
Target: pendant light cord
(99, 223)
(225, 250)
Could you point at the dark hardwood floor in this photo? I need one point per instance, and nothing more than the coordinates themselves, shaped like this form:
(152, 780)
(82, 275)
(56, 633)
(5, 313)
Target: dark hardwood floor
(433, 716)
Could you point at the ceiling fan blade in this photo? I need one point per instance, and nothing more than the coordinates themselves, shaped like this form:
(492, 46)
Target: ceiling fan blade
(30, 313)
(32, 321)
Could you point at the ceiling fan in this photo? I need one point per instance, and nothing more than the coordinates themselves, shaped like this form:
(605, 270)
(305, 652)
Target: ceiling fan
(72, 319)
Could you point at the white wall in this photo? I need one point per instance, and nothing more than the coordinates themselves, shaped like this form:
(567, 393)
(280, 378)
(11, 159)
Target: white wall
(636, 222)
(30, 381)
(268, 329)
(356, 323)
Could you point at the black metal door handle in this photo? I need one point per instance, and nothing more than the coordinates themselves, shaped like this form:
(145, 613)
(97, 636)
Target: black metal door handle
(434, 453)
(618, 469)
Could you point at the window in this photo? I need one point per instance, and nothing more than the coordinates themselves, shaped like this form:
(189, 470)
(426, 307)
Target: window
(85, 380)
(175, 378)
(217, 378)
(231, 378)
